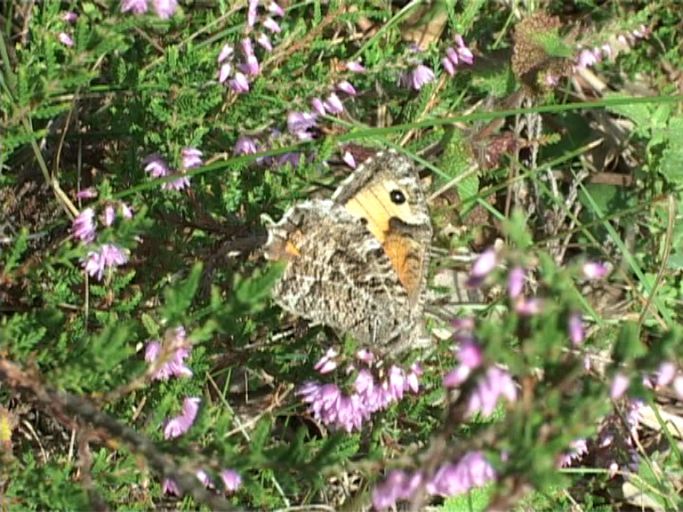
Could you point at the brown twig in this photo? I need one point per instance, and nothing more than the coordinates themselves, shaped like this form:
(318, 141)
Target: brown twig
(63, 405)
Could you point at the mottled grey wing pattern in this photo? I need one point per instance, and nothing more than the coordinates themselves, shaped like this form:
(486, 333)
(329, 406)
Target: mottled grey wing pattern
(341, 276)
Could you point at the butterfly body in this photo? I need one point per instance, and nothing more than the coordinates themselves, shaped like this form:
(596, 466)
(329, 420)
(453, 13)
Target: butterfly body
(358, 261)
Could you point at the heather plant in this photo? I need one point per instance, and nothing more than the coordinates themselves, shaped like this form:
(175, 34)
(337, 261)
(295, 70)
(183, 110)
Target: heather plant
(144, 146)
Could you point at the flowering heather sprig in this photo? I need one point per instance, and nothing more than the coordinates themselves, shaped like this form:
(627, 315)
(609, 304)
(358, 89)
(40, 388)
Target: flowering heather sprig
(157, 167)
(65, 39)
(327, 363)
(83, 226)
(349, 159)
(458, 56)
(494, 384)
(331, 406)
(169, 361)
(482, 267)
(575, 329)
(417, 77)
(355, 66)
(87, 193)
(516, 282)
(105, 257)
(470, 357)
(191, 158)
(237, 77)
(299, 124)
(595, 270)
(588, 57)
(230, 478)
(70, 17)
(577, 449)
(163, 8)
(180, 424)
(451, 479)
(245, 146)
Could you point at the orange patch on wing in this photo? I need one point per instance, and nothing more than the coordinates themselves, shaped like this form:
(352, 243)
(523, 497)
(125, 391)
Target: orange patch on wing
(292, 249)
(404, 256)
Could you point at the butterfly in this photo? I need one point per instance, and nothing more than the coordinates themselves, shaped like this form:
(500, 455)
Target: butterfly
(358, 261)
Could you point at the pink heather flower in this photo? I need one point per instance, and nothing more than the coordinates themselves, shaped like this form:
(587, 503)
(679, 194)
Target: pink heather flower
(349, 160)
(70, 17)
(126, 211)
(464, 53)
(326, 364)
(65, 39)
(448, 66)
(272, 25)
(191, 157)
(413, 378)
(515, 282)
(252, 11)
(495, 383)
(620, 384)
(551, 80)
(470, 357)
(665, 374)
(291, 159)
(245, 146)
(156, 166)
(134, 6)
(83, 226)
(86, 193)
(251, 66)
(332, 407)
(231, 480)
(239, 84)
(247, 47)
(465, 324)
(641, 32)
(165, 8)
(482, 267)
(528, 307)
(606, 51)
(173, 363)
(345, 86)
(298, 123)
(452, 55)
(203, 478)
(586, 59)
(107, 256)
(318, 106)
(109, 215)
(224, 72)
(472, 470)
(178, 184)
(333, 104)
(399, 485)
(227, 52)
(170, 487)
(594, 270)
(577, 449)
(355, 66)
(418, 77)
(276, 10)
(365, 356)
(575, 329)
(264, 42)
(178, 425)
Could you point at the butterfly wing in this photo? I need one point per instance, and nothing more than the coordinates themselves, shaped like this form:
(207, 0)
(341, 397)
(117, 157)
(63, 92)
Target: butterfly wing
(337, 274)
(385, 192)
